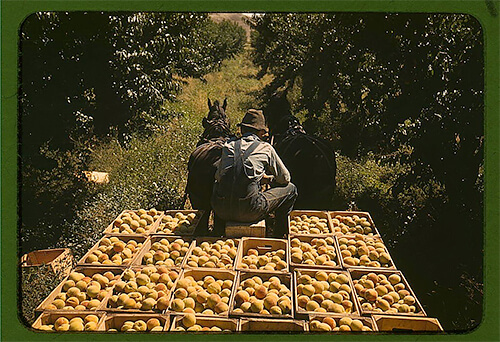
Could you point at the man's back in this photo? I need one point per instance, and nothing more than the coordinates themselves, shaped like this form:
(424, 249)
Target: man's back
(237, 194)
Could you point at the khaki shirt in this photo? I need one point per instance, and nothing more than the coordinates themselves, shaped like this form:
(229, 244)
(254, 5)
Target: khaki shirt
(263, 159)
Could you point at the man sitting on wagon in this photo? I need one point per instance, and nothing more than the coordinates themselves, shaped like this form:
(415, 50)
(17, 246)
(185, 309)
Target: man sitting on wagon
(246, 163)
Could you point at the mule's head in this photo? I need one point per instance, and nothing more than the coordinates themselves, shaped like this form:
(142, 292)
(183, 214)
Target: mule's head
(216, 111)
(275, 111)
(216, 124)
(280, 120)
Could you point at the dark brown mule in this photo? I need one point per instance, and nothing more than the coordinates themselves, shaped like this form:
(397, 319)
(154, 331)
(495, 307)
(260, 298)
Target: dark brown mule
(310, 160)
(203, 162)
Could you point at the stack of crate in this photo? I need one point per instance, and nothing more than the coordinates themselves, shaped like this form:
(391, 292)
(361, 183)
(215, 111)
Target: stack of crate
(148, 273)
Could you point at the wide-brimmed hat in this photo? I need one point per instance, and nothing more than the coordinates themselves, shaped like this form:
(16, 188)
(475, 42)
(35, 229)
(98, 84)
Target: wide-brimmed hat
(254, 118)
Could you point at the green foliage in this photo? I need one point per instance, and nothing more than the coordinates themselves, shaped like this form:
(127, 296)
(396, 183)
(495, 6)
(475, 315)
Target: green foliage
(36, 283)
(401, 98)
(386, 81)
(88, 75)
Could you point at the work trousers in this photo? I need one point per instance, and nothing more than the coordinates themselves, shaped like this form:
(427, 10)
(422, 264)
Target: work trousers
(278, 199)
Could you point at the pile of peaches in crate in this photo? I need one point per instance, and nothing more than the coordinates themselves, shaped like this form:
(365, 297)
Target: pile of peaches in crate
(149, 273)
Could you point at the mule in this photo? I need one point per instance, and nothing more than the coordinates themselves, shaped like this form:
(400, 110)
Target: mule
(203, 162)
(310, 160)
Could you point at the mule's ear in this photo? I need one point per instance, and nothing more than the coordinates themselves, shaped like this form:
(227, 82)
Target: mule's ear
(209, 104)
(224, 105)
(204, 122)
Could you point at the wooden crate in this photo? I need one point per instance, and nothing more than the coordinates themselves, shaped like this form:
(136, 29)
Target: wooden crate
(194, 224)
(106, 305)
(88, 271)
(59, 260)
(308, 238)
(332, 215)
(125, 238)
(49, 317)
(262, 246)
(276, 325)
(137, 261)
(406, 324)
(357, 273)
(318, 213)
(285, 278)
(354, 236)
(206, 321)
(239, 229)
(311, 272)
(199, 274)
(151, 230)
(211, 240)
(368, 321)
(115, 321)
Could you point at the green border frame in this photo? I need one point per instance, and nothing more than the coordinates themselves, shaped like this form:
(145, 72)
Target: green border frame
(14, 12)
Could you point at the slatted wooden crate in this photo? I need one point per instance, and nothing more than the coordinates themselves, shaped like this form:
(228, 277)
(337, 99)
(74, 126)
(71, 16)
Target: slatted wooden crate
(262, 246)
(116, 320)
(211, 241)
(259, 325)
(357, 274)
(151, 228)
(361, 214)
(308, 239)
(300, 312)
(87, 271)
(309, 213)
(367, 321)
(125, 238)
(407, 324)
(107, 305)
(49, 317)
(138, 260)
(285, 279)
(391, 265)
(59, 260)
(206, 322)
(198, 274)
(192, 226)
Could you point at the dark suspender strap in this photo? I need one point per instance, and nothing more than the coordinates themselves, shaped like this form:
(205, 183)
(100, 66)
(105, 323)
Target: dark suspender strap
(250, 149)
(239, 158)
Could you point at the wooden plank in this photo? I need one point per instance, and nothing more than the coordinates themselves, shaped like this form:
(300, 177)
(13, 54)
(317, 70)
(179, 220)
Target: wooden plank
(115, 321)
(405, 324)
(206, 321)
(277, 325)
(49, 317)
(367, 321)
